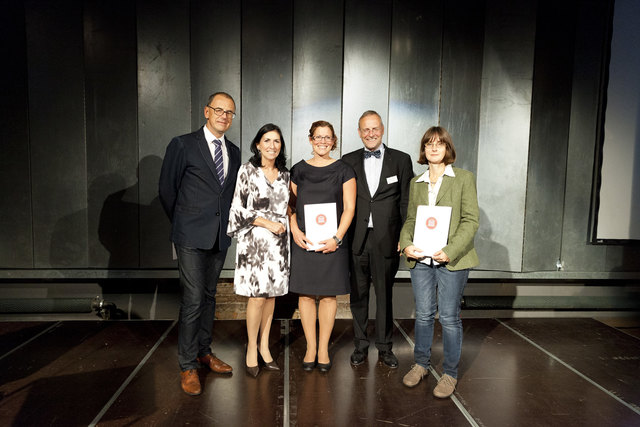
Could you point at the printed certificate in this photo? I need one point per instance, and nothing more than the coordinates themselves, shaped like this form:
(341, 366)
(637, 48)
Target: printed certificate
(320, 223)
(431, 230)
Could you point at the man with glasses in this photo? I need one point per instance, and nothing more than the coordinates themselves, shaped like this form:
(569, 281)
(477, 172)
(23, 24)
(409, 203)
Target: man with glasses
(197, 182)
(383, 175)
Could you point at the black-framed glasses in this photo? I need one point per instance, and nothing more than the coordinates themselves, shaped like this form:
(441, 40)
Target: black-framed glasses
(219, 111)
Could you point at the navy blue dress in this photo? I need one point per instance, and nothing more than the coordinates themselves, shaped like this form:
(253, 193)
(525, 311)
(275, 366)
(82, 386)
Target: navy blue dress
(315, 273)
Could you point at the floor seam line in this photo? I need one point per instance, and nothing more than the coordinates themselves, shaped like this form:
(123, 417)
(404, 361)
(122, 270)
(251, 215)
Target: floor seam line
(453, 398)
(126, 382)
(571, 368)
(30, 339)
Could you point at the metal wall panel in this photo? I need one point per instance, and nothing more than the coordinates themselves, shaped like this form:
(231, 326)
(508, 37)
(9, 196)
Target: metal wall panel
(56, 111)
(112, 145)
(216, 39)
(367, 52)
(16, 242)
(504, 132)
(591, 34)
(215, 58)
(550, 111)
(317, 72)
(414, 81)
(267, 62)
(164, 111)
(462, 55)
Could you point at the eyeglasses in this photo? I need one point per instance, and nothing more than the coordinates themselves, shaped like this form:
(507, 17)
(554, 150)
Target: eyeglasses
(437, 145)
(220, 111)
(319, 138)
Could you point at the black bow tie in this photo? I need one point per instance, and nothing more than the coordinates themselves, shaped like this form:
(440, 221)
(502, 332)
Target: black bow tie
(375, 154)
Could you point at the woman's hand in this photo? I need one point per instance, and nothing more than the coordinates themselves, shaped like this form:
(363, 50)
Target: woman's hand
(440, 257)
(330, 245)
(413, 252)
(273, 226)
(300, 238)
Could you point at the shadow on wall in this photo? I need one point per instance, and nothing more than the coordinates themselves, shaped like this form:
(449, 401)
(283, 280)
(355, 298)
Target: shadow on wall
(127, 229)
(493, 255)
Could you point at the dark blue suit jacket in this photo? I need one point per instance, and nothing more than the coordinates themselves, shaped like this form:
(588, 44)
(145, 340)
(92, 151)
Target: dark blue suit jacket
(191, 194)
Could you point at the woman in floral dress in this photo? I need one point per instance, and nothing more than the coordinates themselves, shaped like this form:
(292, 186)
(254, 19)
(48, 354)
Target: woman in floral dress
(258, 219)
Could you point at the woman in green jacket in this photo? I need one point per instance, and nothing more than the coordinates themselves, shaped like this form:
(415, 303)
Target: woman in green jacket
(438, 279)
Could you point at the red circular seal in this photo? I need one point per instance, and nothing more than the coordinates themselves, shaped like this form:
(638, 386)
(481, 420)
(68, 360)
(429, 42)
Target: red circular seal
(431, 223)
(321, 219)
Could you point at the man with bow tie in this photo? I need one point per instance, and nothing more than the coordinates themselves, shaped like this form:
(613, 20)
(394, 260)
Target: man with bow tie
(383, 175)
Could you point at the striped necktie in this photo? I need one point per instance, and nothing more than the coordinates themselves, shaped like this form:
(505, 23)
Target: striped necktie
(217, 159)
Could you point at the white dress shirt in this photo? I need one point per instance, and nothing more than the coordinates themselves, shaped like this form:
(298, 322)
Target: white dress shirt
(434, 188)
(373, 169)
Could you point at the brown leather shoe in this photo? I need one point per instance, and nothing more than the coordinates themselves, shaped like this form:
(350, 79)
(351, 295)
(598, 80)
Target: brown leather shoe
(215, 364)
(190, 382)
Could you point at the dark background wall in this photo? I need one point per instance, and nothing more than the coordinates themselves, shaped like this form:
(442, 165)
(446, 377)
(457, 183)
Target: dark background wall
(92, 92)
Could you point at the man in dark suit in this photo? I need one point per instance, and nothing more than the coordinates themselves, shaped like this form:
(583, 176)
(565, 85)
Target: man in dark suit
(383, 175)
(196, 186)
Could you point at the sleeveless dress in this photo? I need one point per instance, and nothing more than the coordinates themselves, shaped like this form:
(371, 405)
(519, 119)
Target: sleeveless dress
(315, 273)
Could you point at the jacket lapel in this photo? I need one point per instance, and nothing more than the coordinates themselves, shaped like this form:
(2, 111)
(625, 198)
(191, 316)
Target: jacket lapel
(386, 171)
(445, 187)
(362, 183)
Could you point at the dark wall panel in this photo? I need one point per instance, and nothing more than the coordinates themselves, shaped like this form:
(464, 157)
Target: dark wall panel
(591, 36)
(550, 112)
(414, 80)
(267, 61)
(112, 144)
(16, 244)
(503, 135)
(215, 57)
(367, 53)
(56, 110)
(164, 111)
(462, 56)
(317, 71)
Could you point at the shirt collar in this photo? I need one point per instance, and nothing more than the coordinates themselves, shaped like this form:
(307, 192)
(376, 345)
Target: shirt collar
(448, 170)
(210, 137)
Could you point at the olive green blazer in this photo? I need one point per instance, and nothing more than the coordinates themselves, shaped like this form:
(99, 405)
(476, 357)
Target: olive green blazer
(459, 192)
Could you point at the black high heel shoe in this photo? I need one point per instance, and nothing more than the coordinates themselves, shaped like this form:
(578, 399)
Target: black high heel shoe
(324, 367)
(253, 370)
(308, 366)
(269, 366)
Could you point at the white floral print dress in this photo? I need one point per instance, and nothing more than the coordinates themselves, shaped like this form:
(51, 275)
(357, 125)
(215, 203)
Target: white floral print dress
(262, 258)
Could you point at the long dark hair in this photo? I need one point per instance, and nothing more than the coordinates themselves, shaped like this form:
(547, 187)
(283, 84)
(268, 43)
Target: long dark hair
(256, 159)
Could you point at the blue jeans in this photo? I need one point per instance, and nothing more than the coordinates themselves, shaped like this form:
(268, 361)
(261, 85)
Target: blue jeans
(449, 285)
(199, 272)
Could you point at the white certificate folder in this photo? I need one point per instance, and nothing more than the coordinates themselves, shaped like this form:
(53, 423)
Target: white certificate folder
(320, 222)
(432, 229)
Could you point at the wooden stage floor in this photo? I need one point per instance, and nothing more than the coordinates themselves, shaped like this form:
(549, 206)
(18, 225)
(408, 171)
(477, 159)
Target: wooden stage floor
(515, 372)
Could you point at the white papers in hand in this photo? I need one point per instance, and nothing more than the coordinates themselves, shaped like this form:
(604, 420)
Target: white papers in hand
(320, 222)
(432, 230)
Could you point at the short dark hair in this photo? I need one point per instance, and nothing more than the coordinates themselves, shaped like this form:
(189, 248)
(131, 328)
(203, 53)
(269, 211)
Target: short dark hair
(435, 132)
(256, 159)
(324, 124)
(225, 94)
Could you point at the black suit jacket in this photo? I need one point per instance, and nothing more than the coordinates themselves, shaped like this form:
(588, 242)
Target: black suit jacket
(388, 205)
(191, 194)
